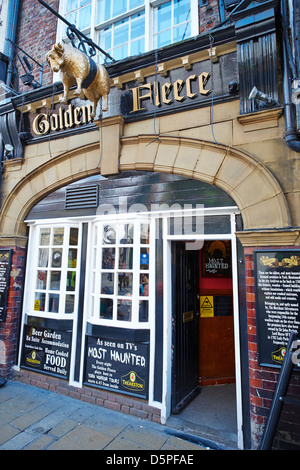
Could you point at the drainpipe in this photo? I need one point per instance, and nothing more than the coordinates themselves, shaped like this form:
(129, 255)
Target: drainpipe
(291, 136)
(10, 36)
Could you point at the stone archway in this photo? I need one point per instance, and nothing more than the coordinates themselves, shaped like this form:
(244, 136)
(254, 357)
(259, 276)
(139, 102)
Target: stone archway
(255, 190)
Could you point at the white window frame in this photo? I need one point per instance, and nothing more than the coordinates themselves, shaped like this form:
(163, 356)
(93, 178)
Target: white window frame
(148, 7)
(92, 295)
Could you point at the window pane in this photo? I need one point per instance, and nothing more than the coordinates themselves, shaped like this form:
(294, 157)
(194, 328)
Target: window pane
(135, 3)
(58, 236)
(145, 228)
(70, 301)
(39, 302)
(73, 236)
(137, 47)
(144, 285)
(103, 11)
(143, 310)
(119, 6)
(106, 309)
(55, 280)
(56, 258)
(72, 258)
(41, 281)
(45, 236)
(124, 310)
(71, 280)
(121, 34)
(182, 11)
(125, 284)
(109, 235)
(108, 258)
(137, 26)
(126, 234)
(107, 283)
(84, 20)
(71, 5)
(181, 32)
(125, 258)
(120, 52)
(163, 17)
(163, 39)
(53, 303)
(144, 258)
(43, 257)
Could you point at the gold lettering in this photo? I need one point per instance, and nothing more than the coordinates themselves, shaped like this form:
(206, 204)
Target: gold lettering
(41, 124)
(54, 122)
(69, 117)
(203, 79)
(165, 90)
(178, 85)
(137, 97)
(86, 113)
(189, 93)
(77, 113)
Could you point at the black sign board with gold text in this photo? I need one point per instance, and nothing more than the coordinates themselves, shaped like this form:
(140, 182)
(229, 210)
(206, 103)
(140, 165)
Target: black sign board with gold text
(46, 350)
(277, 293)
(120, 366)
(5, 265)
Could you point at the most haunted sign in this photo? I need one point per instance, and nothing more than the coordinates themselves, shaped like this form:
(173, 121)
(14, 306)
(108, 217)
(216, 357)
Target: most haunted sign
(277, 284)
(121, 366)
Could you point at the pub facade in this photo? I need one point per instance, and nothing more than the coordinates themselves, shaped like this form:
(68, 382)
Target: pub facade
(151, 252)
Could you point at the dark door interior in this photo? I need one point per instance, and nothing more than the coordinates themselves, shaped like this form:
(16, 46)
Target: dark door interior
(185, 282)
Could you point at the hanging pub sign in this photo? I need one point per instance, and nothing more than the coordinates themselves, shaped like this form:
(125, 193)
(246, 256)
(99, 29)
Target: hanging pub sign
(47, 350)
(5, 265)
(277, 293)
(120, 366)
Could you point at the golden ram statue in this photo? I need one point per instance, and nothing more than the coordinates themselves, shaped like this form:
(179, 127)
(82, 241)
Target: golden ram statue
(76, 67)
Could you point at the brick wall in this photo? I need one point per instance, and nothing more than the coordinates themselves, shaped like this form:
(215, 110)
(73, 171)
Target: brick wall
(263, 380)
(113, 401)
(35, 35)
(9, 330)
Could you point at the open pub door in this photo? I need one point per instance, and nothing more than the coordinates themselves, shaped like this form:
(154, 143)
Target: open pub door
(185, 367)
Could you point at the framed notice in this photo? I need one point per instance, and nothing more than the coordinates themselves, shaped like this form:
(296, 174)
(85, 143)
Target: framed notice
(120, 366)
(5, 265)
(277, 293)
(47, 351)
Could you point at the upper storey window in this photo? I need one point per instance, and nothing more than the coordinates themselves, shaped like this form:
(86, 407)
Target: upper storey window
(126, 28)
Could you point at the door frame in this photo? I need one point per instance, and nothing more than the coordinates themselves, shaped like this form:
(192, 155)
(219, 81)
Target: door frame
(167, 295)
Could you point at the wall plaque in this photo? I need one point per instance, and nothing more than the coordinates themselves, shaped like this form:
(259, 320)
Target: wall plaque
(47, 350)
(121, 366)
(277, 292)
(5, 265)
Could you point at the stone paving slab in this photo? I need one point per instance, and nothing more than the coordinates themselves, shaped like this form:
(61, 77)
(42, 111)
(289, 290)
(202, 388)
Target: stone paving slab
(37, 419)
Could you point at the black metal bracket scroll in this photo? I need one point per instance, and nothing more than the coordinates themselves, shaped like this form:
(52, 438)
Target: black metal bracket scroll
(280, 395)
(85, 43)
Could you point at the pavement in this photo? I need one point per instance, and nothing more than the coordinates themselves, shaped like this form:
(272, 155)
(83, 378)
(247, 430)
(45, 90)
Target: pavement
(32, 418)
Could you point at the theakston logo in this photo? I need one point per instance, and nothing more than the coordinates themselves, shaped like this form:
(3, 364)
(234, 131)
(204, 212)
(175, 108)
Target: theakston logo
(132, 381)
(33, 359)
(278, 356)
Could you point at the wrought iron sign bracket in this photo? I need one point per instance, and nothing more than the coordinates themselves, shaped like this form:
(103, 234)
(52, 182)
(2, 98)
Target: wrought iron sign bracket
(85, 44)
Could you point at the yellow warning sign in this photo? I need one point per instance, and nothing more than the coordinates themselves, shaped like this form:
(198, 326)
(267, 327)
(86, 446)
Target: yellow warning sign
(206, 306)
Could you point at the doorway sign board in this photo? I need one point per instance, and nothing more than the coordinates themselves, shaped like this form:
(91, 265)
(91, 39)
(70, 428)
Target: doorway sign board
(277, 294)
(5, 265)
